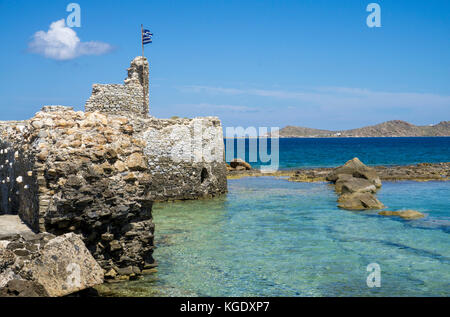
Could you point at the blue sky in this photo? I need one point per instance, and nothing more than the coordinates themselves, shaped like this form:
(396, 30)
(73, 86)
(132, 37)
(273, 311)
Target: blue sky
(310, 63)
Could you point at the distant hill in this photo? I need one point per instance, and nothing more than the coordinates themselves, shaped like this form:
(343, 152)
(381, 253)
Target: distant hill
(394, 128)
(291, 131)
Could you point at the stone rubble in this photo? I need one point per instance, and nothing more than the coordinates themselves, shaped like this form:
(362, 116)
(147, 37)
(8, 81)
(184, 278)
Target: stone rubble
(46, 265)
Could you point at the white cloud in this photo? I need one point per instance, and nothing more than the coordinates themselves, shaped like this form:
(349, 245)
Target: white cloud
(62, 43)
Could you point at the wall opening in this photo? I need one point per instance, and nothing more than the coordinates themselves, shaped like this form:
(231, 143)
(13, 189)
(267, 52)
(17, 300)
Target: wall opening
(203, 175)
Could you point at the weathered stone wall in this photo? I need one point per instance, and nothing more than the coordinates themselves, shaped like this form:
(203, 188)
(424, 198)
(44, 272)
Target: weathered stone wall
(18, 187)
(97, 174)
(186, 157)
(90, 176)
(132, 97)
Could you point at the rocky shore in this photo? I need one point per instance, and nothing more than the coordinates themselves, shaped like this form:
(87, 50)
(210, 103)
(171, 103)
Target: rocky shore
(414, 172)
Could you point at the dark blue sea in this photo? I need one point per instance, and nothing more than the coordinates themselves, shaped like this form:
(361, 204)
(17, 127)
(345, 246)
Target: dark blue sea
(330, 152)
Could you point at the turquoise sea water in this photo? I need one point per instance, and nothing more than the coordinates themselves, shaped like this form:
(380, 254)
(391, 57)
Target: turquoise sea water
(271, 237)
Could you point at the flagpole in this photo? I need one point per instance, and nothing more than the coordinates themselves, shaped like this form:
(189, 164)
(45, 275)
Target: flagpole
(143, 79)
(142, 39)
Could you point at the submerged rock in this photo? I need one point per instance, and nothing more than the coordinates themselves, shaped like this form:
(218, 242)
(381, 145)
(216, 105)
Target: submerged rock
(405, 214)
(359, 201)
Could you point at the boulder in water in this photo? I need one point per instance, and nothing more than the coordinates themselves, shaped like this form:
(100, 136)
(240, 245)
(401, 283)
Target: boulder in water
(357, 185)
(240, 162)
(356, 169)
(359, 201)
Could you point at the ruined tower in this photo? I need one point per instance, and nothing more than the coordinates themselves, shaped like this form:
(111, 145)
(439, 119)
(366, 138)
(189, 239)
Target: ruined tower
(132, 97)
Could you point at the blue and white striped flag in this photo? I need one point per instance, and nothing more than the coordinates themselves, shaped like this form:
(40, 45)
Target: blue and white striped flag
(146, 37)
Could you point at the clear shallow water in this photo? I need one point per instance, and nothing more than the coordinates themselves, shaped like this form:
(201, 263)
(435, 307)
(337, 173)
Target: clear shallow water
(270, 237)
(329, 152)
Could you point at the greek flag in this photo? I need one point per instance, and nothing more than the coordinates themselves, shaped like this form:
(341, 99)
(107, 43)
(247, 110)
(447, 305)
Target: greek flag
(146, 36)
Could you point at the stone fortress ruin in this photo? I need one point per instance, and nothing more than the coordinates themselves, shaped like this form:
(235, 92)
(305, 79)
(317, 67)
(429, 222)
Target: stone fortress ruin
(97, 173)
(131, 97)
